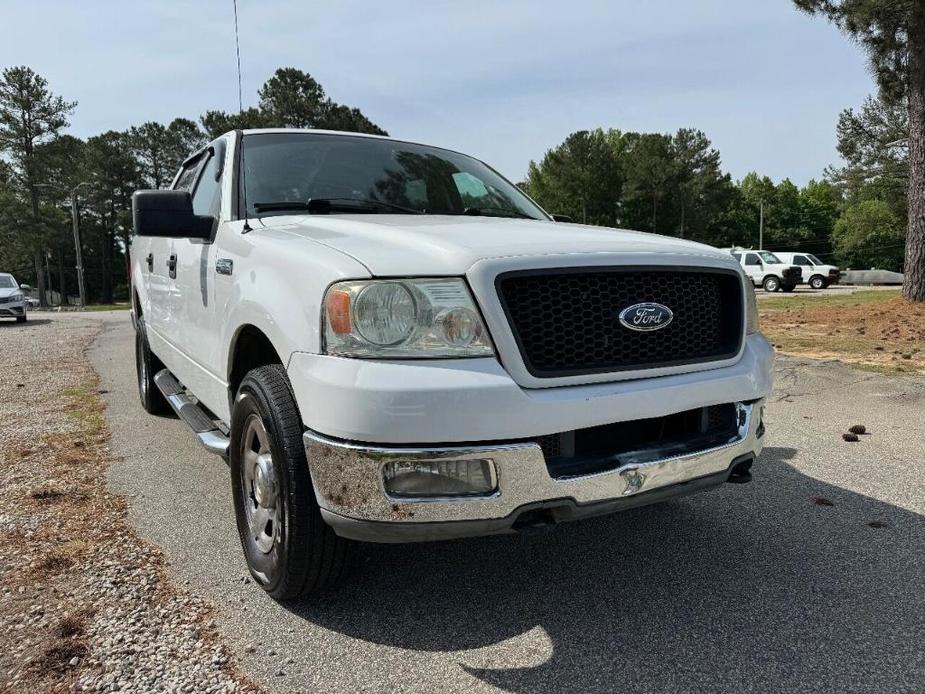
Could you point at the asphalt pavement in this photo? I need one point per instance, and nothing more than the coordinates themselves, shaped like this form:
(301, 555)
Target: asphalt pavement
(810, 578)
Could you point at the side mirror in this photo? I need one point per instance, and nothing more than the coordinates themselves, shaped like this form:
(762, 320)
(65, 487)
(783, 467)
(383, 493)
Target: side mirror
(25, 286)
(168, 213)
(561, 218)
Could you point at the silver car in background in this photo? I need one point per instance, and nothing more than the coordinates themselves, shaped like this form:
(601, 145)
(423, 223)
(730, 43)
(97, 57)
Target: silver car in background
(12, 299)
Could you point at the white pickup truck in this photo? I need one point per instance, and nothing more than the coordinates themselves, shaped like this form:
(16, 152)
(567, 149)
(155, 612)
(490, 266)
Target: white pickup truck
(390, 342)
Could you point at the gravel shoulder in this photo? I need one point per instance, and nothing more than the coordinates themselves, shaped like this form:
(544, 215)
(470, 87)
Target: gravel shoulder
(87, 604)
(810, 578)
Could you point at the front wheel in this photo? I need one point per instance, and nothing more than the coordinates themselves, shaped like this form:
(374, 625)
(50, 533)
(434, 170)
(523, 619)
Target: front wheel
(771, 284)
(290, 551)
(817, 282)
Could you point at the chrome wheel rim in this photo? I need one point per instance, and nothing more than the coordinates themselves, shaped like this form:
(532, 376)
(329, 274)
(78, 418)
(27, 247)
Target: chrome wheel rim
(261, 490)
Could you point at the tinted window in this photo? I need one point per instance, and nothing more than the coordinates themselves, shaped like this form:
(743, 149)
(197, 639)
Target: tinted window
(345, 169)
(752, 259)
(737, 256)
(207, 198)
(800, 260)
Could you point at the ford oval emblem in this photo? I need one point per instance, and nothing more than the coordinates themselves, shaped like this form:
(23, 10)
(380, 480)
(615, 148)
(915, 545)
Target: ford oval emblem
(646, 317)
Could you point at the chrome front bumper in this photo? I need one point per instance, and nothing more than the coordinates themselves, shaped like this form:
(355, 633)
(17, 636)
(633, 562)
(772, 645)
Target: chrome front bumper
(350, 491)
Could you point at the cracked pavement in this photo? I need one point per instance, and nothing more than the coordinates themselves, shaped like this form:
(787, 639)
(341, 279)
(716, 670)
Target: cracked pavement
(752, 587)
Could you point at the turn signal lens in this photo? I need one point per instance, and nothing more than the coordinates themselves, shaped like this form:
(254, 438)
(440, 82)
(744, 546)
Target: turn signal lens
(434, 478)
(337, 307)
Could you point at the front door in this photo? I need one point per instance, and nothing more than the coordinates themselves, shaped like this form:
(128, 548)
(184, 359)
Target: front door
(753, 267)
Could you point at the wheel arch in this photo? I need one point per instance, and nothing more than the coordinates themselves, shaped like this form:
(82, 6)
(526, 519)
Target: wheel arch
(250, 348)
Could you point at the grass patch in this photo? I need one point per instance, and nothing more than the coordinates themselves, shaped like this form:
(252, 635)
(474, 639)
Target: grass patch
(868, 296)
(107, 307)
(85, 406)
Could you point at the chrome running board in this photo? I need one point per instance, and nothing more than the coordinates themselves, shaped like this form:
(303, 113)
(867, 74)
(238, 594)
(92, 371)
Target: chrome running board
(188, 410)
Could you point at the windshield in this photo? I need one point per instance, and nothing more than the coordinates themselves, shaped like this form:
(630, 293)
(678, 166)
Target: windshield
(7, 282)
(769, 258)
(814, 260)
(371, 175)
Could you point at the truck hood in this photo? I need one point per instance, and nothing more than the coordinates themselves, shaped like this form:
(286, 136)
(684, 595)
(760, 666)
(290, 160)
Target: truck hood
(404, 245)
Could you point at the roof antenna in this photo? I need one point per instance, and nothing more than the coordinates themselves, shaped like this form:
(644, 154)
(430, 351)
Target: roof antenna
(237, 49)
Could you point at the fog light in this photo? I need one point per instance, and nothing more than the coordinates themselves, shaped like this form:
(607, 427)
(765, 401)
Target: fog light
(422, 478)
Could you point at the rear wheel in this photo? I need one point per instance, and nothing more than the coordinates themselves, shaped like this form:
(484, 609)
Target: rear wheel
(146, 366)
(817, 282)
(771, 283)
(290, 551)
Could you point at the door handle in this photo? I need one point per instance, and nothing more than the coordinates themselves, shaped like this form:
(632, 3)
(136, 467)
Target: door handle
(150, 261)
(172, 266)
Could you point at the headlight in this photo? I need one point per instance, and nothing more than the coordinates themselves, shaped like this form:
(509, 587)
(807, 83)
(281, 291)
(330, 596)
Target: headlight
(17, 297)
(403, 318)
(751, 307)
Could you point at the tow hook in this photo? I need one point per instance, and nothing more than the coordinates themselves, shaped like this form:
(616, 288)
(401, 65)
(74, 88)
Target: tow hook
(740, 471)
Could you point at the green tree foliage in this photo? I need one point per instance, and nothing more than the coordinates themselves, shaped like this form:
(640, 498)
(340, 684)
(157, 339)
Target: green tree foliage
(40, 166)
(580, 178)
(654, 182)
(217, 123)
(114, 174)
(161, 149)
(30, 116)
(291, 98)
(892, 33)
(873, 143)
(869, 234)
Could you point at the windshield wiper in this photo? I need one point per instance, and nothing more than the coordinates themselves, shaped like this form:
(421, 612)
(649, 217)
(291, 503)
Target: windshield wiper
(325, 205)
(486, 212)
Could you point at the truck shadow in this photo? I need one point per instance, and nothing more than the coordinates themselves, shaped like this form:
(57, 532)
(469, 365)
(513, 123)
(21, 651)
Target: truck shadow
(786, 583)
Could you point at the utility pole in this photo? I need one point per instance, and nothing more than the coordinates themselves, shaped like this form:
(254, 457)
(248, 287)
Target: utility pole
(761, 225)
(75, 225)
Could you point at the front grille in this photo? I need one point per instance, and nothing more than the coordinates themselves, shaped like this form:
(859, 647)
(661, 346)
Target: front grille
(566, 321)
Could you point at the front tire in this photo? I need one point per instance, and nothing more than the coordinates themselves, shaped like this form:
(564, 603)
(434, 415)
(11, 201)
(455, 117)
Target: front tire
(817, 282)
(771, 283)
(146, 366)
(290, 551)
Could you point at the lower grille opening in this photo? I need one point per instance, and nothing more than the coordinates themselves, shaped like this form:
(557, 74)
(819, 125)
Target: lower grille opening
(600, 449)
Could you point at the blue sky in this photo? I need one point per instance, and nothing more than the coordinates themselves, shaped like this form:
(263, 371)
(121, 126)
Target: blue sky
(502, 80)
